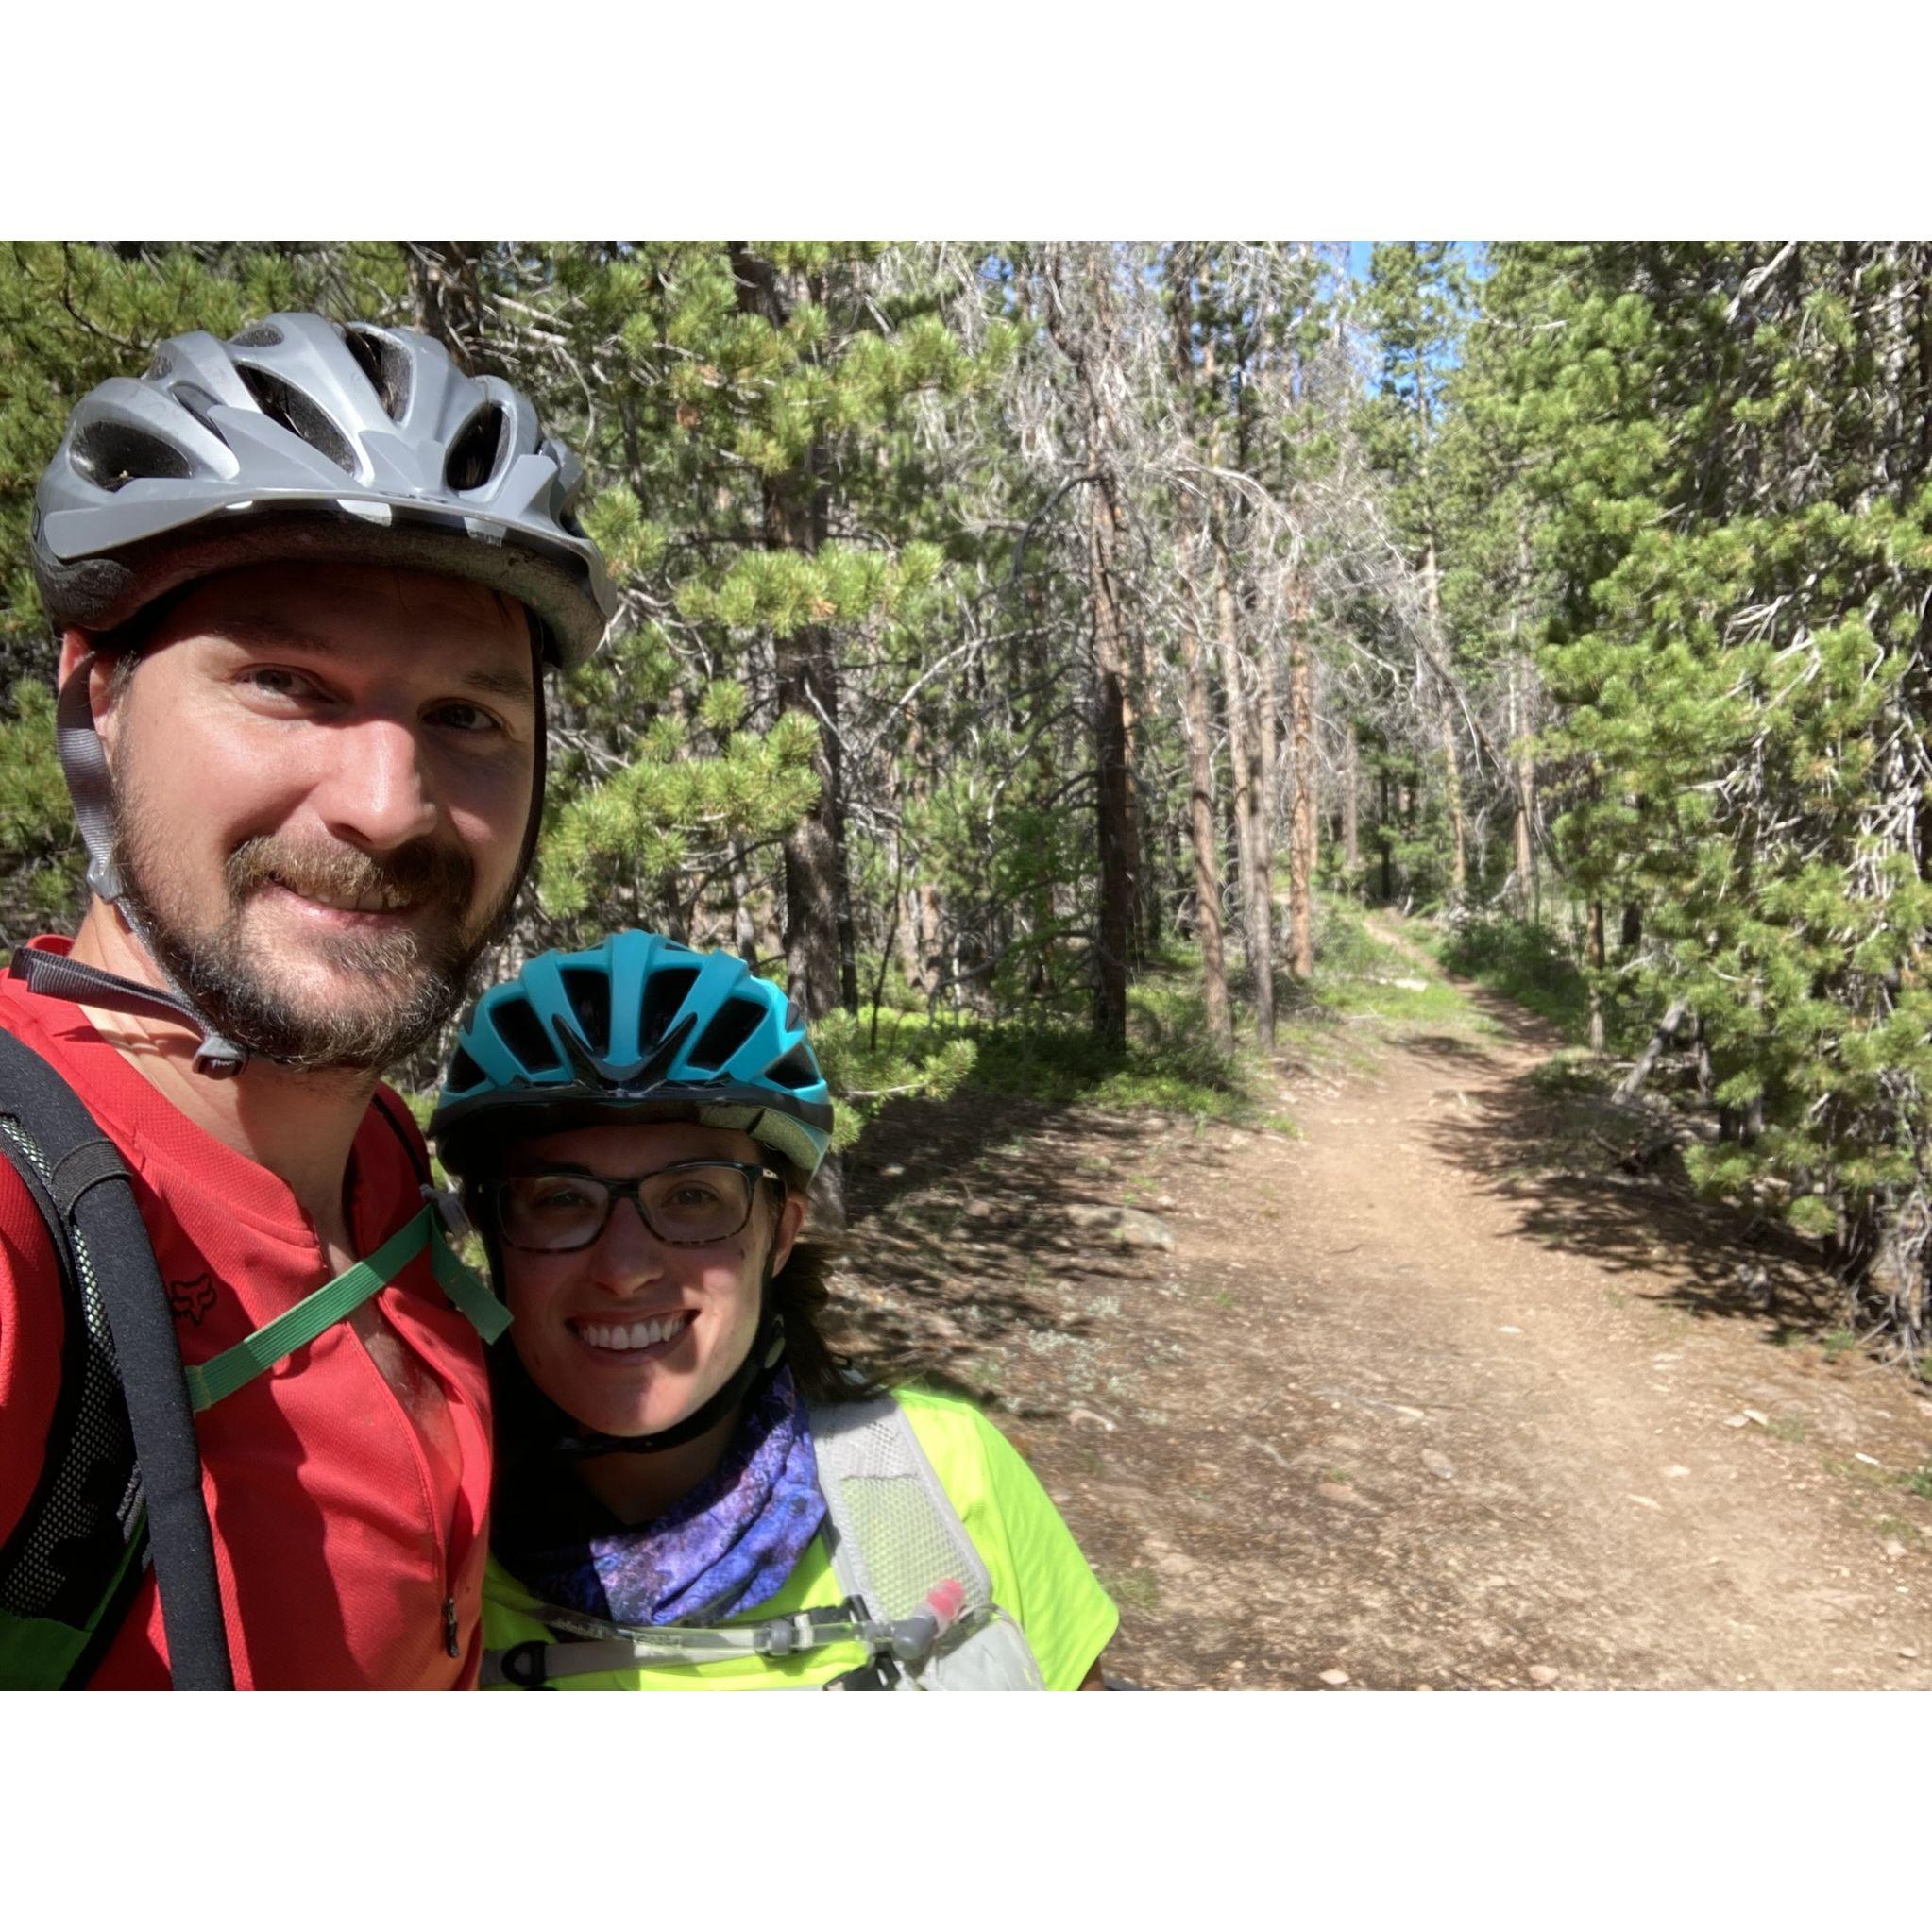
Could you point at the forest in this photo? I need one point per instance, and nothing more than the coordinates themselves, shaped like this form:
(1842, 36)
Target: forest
(1037, 655)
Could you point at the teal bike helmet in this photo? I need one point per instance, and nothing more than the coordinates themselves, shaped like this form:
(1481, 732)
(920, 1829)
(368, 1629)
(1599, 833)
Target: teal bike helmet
(639, 1028)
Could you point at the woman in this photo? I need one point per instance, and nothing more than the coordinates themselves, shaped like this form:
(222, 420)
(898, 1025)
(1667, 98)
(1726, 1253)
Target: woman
(690, 1494)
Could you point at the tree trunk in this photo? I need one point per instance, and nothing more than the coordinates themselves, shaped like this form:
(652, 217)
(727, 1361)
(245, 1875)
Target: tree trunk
(1595, 956)
(1196, 706)
(1085, 340)
(1445, 730)
(744, 928)
(1113, 793)
(1261, 804)
(1200, 770)
(1382, 826)
(820, 950)
(446, 296)
(1303, 818)
(1254, 911)
(1351, 808)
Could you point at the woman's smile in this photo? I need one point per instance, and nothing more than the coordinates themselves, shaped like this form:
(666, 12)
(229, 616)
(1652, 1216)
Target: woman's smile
(624, 1340)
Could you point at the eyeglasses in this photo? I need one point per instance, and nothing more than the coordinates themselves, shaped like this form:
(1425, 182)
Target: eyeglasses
(686, 1205)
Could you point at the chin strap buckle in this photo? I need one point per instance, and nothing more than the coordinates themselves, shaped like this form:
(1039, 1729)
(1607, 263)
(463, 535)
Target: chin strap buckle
(449, 1211)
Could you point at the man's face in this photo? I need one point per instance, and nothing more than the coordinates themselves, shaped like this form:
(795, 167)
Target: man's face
(322, 781)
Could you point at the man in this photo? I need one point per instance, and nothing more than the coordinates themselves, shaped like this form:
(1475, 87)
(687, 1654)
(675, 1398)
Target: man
(307, 581)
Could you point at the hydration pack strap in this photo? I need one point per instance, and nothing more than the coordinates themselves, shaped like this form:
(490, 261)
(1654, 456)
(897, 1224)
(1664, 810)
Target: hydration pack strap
(897, 1542)
(599, 1646)
(208, 1381)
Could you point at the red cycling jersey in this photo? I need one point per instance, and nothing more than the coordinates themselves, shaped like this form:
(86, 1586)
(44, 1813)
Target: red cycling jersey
(349, 1500)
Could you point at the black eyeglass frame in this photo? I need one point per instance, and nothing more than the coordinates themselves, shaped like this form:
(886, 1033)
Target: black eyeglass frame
(627, 1188)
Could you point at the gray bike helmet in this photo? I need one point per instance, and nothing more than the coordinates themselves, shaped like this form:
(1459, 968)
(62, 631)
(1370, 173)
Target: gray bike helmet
(299, 440)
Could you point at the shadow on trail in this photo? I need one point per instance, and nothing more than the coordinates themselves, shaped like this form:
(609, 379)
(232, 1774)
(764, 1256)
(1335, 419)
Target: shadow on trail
(1573, 1168)
(961, 1242)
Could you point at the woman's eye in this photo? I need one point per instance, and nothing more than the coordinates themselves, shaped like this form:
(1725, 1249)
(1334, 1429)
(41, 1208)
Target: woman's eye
(694, 1193)
(555, 1197)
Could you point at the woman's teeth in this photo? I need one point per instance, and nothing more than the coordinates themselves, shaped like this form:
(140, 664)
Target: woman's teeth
(621, 1336)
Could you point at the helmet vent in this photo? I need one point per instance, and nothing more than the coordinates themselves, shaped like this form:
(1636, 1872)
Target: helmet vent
(588, 991)
(664, 994)
(386, 368)
(734, 1022)
(797, 1069)
(281, 402)
(199, 404)
(263, 335)
(464, 1071)
(522, 1032)
(472, 459)
(112, 454)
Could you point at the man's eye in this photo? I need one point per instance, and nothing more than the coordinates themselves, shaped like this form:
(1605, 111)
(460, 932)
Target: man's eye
(276, 681)
(470, 719)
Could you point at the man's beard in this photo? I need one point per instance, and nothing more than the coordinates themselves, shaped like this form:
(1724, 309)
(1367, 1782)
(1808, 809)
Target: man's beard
(414, 980)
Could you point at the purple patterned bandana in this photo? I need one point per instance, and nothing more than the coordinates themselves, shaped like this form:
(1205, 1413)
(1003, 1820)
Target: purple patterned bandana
(726, 1547)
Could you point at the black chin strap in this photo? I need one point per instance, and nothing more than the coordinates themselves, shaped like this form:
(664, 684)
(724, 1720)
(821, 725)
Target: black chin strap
(91, 788)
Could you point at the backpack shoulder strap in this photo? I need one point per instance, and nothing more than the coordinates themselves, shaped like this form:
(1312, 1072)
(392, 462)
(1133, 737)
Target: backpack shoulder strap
(74, 1556)
(412, 1140)
(894, 1535)
(131, 1392)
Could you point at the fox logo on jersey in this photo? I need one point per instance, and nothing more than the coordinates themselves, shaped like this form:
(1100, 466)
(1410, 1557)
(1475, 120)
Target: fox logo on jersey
(191, 1298)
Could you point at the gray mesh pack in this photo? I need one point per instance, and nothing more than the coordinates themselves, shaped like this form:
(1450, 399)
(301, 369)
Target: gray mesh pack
(896, 1536)
(299, 440)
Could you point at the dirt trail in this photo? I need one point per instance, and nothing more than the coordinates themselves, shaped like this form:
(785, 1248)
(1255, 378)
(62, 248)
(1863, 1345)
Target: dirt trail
(1435, 1394)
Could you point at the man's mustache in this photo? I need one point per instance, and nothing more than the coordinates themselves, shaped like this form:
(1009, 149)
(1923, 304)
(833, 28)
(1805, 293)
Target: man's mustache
(420, 873)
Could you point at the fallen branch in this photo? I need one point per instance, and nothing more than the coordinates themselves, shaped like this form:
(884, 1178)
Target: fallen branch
(1667, 1028)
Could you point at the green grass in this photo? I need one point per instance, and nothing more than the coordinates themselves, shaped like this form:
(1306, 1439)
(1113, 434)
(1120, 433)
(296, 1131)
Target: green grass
(1526, 963)
(1356, 973)
(1918, 1481)
(1169, 1064)
(1132, 1589)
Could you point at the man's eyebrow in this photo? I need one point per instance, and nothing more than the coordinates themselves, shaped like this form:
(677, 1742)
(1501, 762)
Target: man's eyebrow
(273, 634)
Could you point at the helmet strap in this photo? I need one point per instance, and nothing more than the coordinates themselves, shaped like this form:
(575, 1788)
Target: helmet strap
(91, 786)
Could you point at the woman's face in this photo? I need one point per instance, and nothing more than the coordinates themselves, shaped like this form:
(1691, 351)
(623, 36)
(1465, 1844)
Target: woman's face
(585, 1319)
